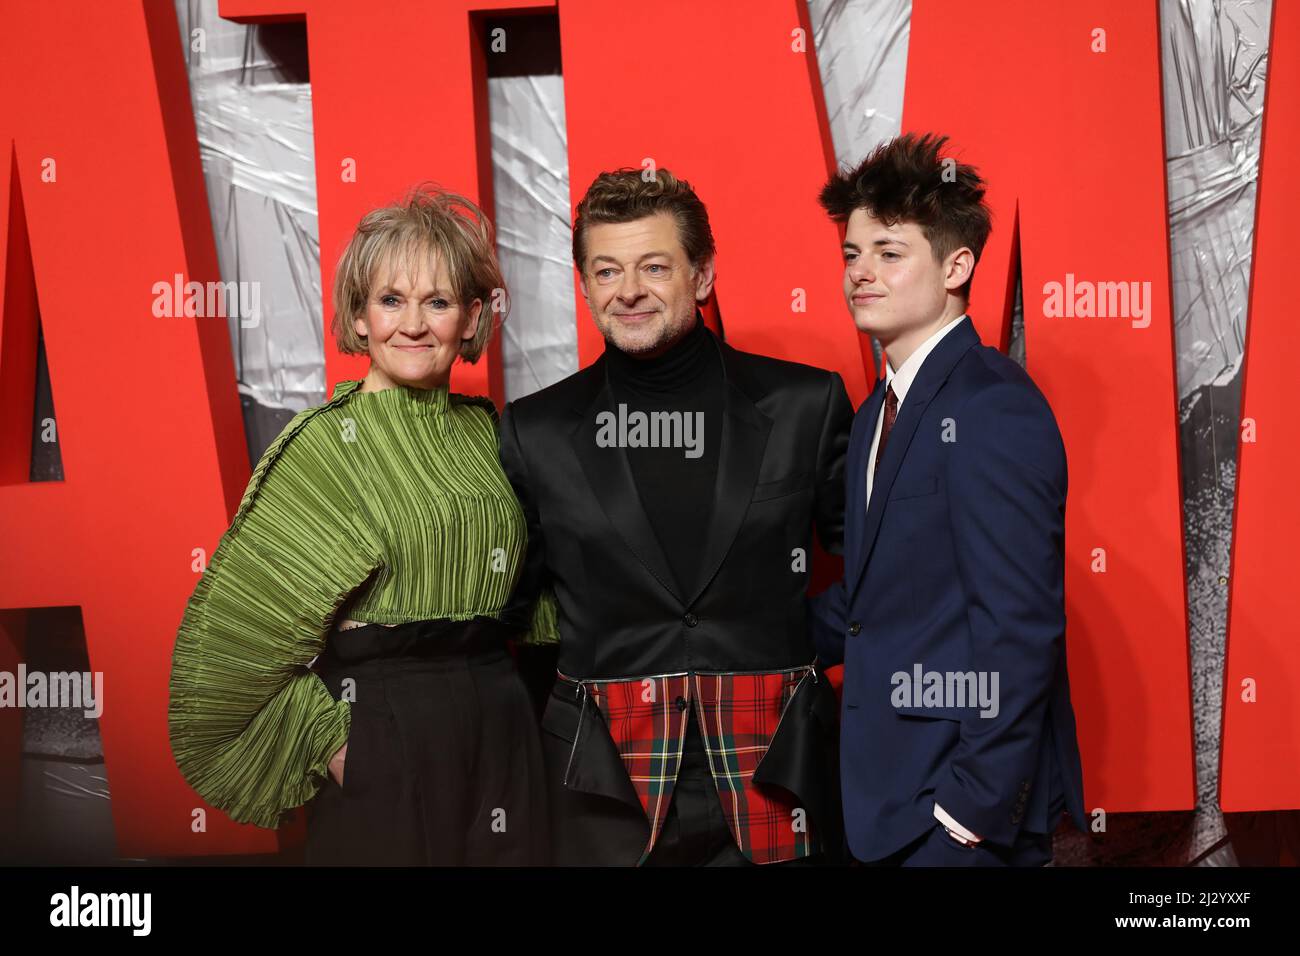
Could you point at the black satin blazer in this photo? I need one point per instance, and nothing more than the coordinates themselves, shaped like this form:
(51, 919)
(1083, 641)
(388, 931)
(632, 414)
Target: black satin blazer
(785, 433)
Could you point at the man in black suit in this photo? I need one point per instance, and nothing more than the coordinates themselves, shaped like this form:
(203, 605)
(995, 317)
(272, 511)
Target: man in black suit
(671, 489)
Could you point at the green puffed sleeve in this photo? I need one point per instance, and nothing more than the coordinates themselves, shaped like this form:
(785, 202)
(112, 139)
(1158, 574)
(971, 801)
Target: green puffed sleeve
(544, 625)
(542, 618)
(252, 729)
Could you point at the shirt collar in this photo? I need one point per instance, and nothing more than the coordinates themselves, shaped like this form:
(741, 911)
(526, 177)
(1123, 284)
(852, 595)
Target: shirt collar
(902, 379)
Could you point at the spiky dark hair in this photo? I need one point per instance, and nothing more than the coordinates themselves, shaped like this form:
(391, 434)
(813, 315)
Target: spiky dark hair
(902, 180)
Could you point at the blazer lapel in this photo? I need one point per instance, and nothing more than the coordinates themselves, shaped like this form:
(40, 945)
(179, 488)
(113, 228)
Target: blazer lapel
(611, 480)
(743, 440)
(740, 456)
(855, 504)
(934, 371)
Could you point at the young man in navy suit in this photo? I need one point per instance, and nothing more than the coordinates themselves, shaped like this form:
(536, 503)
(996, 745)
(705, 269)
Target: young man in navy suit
(957, 734)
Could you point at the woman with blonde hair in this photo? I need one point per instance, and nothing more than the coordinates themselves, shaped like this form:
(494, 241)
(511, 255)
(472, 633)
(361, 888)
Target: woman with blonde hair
(379, 540)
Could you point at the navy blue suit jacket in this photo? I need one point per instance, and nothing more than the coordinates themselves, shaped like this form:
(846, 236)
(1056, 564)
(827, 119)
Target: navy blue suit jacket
(956, 567)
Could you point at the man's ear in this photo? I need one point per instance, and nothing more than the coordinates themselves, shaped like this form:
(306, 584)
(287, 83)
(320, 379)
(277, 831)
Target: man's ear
(704, 276)
(582, 284)
(958, 268)
(471, 327)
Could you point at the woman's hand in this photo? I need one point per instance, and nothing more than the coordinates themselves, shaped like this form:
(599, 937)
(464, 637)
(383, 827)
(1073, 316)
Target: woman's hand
(336, 764)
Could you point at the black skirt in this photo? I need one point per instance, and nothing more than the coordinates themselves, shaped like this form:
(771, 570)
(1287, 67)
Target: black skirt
(444, 763)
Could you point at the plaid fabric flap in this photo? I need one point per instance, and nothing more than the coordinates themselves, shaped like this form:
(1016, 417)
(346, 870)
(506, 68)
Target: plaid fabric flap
(738, 715)
(647, 719)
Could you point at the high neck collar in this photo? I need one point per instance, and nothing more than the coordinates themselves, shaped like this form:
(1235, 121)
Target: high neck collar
(405, 399)
(688, 360)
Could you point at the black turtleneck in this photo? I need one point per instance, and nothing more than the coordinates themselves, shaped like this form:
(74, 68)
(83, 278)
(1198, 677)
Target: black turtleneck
(676, 491)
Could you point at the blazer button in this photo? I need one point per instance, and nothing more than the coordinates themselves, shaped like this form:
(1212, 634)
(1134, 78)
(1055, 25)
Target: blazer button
(690, 620)
(855, 628)
(681, 703)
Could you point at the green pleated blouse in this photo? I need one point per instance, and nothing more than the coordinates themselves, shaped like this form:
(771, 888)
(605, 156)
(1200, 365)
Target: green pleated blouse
(383, 507)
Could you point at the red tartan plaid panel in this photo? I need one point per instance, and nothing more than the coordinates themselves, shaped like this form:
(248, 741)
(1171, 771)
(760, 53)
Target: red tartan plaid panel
(738, 715)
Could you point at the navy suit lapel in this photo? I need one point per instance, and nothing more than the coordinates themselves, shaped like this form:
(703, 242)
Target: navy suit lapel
(934, 371)
(855, 504)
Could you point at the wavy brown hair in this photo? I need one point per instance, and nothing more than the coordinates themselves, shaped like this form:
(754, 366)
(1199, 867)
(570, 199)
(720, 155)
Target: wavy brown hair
(625, 195)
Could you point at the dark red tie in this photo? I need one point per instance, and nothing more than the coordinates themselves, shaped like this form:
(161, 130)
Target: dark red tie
(891, 412)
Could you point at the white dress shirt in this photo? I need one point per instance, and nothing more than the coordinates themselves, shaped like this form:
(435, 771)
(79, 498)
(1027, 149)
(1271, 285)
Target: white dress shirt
(901, 380)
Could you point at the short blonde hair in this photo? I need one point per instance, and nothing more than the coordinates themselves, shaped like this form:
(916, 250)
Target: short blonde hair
(429, 222)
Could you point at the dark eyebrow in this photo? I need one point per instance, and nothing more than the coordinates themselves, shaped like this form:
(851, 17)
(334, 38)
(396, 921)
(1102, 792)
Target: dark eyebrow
(852, 246)
(644, 256)
(886, 242)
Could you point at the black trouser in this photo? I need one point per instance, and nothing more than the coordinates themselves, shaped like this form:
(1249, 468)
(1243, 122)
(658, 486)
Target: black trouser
(443, 764)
